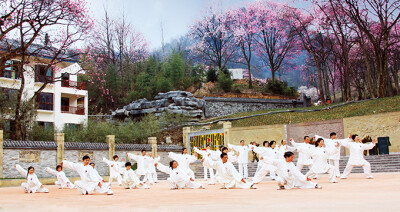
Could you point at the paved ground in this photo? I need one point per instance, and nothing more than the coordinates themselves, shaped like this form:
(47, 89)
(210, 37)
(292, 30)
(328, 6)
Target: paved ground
(353, 194)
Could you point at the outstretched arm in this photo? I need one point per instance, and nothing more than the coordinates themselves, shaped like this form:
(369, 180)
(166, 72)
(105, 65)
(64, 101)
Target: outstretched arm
(173, 156)
(163, 168)
(132, 156)
(21, 170)
(51, 171)
(108, 162)
(70, 165)
(209, 163)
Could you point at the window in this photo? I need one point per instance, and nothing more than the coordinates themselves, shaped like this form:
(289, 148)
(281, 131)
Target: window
(65, 104)
(42, 73)
(45, 101)
(65, 80)
(46, 125)
(72, 126)
(10, 94)
(12, 69)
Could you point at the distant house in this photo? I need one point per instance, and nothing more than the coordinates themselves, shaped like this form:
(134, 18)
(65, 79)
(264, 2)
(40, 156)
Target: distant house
(240, 73)
(62, 103)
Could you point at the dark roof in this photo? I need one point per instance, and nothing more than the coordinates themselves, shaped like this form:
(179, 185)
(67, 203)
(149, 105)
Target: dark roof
(51, 145)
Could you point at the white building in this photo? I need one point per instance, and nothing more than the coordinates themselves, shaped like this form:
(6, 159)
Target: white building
(236, 73)
(62, 103)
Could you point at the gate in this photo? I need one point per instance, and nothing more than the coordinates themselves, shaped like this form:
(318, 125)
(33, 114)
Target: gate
(202, 139)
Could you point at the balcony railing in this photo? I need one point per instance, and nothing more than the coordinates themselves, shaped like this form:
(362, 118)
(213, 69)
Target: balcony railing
(73, 110)
(73, 84)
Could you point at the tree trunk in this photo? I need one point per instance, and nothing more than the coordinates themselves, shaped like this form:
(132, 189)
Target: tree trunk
(321, 94)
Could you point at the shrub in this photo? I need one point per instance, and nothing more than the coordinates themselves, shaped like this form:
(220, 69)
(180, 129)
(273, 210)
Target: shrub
(212, 75)
(280, 88)
(224, 82)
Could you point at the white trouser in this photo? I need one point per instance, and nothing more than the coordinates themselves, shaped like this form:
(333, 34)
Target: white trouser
(155, 178)
(115, 176)
(34, 189)
(291, 182)
(259, 176)
(131, 184)
(259, 165)
(366, 166)
(331, 171)
(243, 170)
(182, 184)
(335, 163)
(209, 170)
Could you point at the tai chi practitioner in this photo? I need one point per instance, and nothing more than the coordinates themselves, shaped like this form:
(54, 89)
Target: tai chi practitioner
(331, 143)
(356, 157)
(227, 176)
(130, 180)
(184, 160)
(288, 175)
(304, 159)
(97, 174)
(285, 148)
(89, 182)
(62, 180)
(320, 156)
(266, 154)
(259, 151)
(152, 169)
(32, 184)
(204, 153)
(243, 158)
(114, 169)
(143, 162)
(178, 178)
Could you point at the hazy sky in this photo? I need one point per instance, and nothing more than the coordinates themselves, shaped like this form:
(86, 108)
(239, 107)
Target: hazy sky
(147, 15)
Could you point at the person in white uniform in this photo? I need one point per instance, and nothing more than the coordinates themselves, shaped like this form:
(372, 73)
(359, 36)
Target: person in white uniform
(227, 176)
(288, 175)
(32, 184)
(243, 158)
(152, 169)
(259, 151)
(356, 157)
(130, 180)
(89, 182)
(143, 162)
(184, 160)
(62, 180)
(304, 159)
(330, 143)
(320, 156)
(204, 153)
(264, 152)
(114, 167)
(178, 178)
(285, 148)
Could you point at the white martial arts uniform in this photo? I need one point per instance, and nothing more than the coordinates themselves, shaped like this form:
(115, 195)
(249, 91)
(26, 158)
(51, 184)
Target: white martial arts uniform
(90, 181)
(142, 166)
(286, 148)
(320, 164)
(32, 184)
(131, 180)
(62, 180)
(356, 158)
(204, 153)
(114, 170)
(335, 158)
(289, 175)
(243, 158)
(304, 159)
(227, 176)
(178, 178)
(184, 160)
(152, 169)
(265, 152)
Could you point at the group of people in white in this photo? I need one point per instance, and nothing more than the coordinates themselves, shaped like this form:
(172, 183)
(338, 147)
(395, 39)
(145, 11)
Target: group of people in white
(322, 157)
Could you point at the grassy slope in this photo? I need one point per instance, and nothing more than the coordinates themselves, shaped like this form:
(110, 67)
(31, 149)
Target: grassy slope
(355, 109)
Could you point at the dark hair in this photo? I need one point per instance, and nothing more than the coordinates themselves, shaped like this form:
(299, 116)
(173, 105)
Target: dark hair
(208, 146)
(143, 150)
(318, 141)
(354, 136)
(242, 141)
(306, 137)
(183, 149)
(91, 163)
(223, 154)
(171, 163)
(115, 156)
(220, 147)
(272, 143)
(58, 166)
(29, 168)
(85, 157)
(265, 142)
(288, 154)
(332, 134)
(223, 148)
(128, 164)
(282, 141)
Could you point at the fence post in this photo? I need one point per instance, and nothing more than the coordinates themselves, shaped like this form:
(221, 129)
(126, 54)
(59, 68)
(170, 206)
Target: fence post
(110, 139)
(1, 153)
(227, 132)
(59, 139)
(153, 142)
(186, 131)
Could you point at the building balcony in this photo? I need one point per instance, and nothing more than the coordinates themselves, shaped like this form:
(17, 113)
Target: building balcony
(73, 84)
(73, 110)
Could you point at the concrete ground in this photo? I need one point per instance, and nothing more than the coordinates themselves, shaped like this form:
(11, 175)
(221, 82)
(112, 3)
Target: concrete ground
(353, 194)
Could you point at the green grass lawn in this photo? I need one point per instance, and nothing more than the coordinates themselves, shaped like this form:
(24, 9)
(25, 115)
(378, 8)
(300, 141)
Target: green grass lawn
(383, 105)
